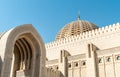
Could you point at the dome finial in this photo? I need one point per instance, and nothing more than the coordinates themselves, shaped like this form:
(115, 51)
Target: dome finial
(78, 15)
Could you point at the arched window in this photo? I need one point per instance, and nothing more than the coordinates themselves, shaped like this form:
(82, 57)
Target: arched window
(69, 65)
(118, 57)
(56, 67)
(75, 64)
(100, 60)
(83, 63)
(108, 59)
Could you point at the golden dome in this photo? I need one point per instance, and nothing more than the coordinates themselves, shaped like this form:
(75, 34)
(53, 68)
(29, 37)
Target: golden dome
(75, 28)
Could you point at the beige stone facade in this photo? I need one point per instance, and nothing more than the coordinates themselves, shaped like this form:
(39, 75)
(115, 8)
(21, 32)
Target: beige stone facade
(93, 53)
(80, 49)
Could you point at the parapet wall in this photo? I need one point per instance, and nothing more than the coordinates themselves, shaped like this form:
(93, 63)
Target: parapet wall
(86, 35)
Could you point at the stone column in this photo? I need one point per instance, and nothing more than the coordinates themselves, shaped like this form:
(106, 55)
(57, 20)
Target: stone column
(63, 63)
(91, 61)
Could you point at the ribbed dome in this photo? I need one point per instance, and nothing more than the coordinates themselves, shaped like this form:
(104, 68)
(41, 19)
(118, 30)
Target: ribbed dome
(75, 28)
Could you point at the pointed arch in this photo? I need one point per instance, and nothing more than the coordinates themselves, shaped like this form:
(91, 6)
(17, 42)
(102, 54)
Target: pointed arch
(23, 47)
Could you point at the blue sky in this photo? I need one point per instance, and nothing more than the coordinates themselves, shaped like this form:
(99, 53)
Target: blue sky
(49, 16)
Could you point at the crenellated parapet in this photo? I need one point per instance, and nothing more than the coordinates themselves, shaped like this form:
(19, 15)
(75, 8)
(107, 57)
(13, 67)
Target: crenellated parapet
(86, 35)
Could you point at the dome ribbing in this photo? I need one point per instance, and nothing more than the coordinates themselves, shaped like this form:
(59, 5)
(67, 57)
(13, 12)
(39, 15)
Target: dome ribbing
(75, 28)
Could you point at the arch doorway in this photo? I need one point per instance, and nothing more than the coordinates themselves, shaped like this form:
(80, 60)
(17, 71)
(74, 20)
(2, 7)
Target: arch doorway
(22, 57)
(24, 53)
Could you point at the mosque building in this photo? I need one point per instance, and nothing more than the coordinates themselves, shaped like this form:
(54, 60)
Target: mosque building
(80, 49)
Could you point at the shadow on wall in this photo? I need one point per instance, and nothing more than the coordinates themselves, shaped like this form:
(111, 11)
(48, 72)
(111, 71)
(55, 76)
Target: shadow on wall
(0, 64)
(61, 75)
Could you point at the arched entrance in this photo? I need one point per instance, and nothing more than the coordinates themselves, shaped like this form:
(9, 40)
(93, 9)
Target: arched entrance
(24, 54)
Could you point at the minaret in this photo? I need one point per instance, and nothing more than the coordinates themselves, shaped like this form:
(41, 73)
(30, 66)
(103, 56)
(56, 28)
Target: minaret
(78, 15)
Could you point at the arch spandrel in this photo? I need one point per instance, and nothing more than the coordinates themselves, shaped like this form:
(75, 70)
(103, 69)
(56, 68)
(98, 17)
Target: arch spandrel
(32, 36)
